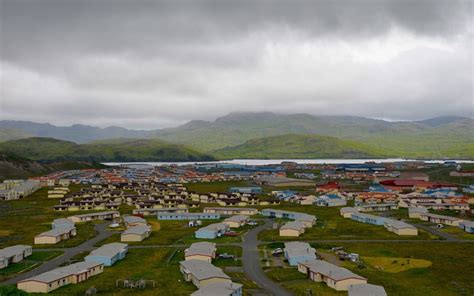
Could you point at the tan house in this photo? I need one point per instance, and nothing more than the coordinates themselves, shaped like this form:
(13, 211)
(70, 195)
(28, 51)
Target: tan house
(440, 219)
(55, 235)
(14, 254)
(205, 251)
(334, 276)
(399, 227)
(59, 277)
(202, 273)
(135, 234)
(109, 215)
(347, 212)
(236, 221)
(294, 228)
(415, 212)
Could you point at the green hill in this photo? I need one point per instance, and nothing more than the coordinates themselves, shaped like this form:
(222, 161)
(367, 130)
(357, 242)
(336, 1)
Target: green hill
(300, 146)
(47, 149)
(7, 134)
(13, 166)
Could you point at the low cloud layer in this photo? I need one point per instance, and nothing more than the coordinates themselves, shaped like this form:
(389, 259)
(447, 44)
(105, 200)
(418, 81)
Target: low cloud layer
(151, 64)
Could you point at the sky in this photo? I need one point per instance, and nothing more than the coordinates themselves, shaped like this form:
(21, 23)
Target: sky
(153, 64)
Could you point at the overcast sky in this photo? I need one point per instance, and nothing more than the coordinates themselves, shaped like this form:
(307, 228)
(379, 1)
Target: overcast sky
(152, 64)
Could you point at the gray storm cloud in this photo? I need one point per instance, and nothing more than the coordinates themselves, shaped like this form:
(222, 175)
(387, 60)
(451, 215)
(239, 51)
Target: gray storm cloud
(150, 64)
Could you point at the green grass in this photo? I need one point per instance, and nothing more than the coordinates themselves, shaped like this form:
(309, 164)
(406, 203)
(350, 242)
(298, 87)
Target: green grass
(450, 273)
(44, 255)
(48, 149)
(16, 268)
(279, 274)
(148, 264)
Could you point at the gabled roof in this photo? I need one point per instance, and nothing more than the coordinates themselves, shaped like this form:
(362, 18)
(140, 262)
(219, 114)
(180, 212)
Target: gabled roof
(109, 250)
(201, 248)
(202, 270)
(62, 272)
(366, 290)
(218, 289)
(330, 270)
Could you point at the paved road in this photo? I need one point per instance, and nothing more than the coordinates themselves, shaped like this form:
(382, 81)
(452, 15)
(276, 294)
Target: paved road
(251, 262)
(435, 231)
(103, 233)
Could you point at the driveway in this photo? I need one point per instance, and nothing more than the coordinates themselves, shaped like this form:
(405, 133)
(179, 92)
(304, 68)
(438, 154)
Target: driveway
(251, 262)
(103, 233)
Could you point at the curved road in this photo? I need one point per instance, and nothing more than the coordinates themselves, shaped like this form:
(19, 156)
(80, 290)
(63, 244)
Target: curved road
(251, 262)
(103, 233)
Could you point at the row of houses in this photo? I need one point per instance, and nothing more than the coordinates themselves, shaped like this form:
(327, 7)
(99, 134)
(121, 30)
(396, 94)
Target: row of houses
(209, 279)
(396, 226)
(423, 214)
(16, 189)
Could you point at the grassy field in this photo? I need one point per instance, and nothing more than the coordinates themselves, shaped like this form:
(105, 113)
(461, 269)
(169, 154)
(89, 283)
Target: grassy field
(402, 268)
(150, 264)
(37, 209)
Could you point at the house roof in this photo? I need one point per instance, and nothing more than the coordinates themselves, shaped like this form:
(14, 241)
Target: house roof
(63, 272)
(217, 289)
(63, 229)
(134, 219)
(109, 250)
(297, 249)
(214, 227)
(440, 216)
(13, 251)
(296, 225)
(140, 229)
(398, 224)
(366, 290)
(202, 270)
(330, 270)
(200, 248)
(237, 218)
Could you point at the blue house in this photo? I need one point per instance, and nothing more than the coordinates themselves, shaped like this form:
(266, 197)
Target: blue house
(367, 219)
(108, 254)
(187, 216)
(296, 252)
(467, 226)
(212, 231)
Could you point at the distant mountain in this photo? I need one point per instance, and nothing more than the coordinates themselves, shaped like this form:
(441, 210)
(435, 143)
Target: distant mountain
(13, 166)
(300, 146)
(76, 133)
(7, 134)
(450, 137)
(441, 137)
(47, 149)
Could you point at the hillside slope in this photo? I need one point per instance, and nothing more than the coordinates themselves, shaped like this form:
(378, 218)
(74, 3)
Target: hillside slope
(299, 146)
(13, 166)
(47, 149)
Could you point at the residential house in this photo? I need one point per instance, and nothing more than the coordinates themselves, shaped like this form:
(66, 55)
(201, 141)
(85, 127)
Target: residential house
(399, 227)
(293, 228)
(380, 207)
(59, 277)
(201, 251)
(440, 219)
(367, 218)
(212, 231)
(62, 222)
(334, 276)
(131, 221)
(55, 235)
(231, 211)
(219, 289)
(347, 212)
(108, 254)
(135, 234)
(296, 252)
(366, 290)
(253, 190)
(14, 254)
(330, 200)
(109, 215)
(149, 212)
(202, 273)
(415, 212)
(236, 221)
(467, 226)
(187, 216)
